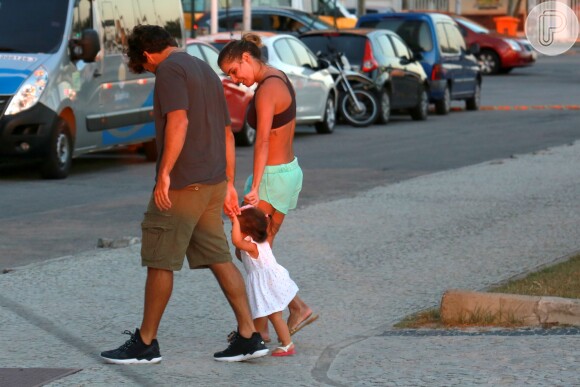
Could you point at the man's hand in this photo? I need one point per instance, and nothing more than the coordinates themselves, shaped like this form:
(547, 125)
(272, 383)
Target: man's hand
(231, 206)
(161, 193)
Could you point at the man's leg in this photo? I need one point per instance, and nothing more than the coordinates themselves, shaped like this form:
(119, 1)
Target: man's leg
(143, 347)
(158, 289)
(232, 284)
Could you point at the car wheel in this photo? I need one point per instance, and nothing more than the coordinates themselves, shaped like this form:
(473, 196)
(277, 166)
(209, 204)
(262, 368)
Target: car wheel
(327, 125)
(421, 111)
(443, 106)
(385, 105)
(58, 160)
(490, 63)
(474, 102)
(246, 136)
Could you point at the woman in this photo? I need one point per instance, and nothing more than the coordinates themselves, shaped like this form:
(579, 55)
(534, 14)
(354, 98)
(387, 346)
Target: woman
(277, 178)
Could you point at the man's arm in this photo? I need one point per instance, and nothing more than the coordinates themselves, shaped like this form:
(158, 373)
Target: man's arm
(175, 132)
(231, 205)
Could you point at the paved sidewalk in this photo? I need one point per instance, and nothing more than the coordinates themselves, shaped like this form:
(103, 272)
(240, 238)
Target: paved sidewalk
(363, 263)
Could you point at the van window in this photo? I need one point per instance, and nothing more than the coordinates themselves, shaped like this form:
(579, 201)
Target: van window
(442, 38)
(456, 41)
(30, 26)
(415, 33)
(81, 18)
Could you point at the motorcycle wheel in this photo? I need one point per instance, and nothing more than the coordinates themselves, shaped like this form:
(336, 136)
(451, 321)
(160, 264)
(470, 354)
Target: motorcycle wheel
(366, 116)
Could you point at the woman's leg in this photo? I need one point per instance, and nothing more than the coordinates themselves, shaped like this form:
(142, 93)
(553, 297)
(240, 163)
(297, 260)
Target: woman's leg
(299, 310)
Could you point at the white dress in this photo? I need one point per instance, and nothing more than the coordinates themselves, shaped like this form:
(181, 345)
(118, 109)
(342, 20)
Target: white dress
(268, 284)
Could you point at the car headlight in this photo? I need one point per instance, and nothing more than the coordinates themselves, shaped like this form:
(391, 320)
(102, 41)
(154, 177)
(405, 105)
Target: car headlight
(513, 44)
(29, 93)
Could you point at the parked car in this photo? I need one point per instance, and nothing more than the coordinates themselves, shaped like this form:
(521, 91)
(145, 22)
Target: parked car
(278, 20)
(384, 57)
(498, 53)
(238, 96)
(453, 70)
(220, 39)
(316, 95)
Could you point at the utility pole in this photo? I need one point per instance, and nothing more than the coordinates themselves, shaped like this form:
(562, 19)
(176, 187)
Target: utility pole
(360, 8)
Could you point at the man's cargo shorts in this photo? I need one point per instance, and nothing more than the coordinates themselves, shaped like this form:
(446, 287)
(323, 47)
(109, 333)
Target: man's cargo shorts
(192, 227)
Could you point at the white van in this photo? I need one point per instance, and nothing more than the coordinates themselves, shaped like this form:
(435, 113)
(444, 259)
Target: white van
(65, 88)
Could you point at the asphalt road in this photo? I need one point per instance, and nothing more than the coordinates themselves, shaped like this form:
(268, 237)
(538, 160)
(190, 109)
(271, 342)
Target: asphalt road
(106, 193)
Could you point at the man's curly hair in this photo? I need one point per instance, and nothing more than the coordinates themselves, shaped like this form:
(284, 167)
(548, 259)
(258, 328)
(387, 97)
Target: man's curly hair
(150, 38)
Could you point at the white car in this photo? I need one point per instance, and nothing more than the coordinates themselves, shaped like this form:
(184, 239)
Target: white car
(316, 95)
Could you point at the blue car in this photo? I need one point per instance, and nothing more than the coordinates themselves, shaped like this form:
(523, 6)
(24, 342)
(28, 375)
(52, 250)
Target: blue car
(454, 72)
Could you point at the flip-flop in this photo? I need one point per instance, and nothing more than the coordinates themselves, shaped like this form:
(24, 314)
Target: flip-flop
(307, 321)
(286, 351)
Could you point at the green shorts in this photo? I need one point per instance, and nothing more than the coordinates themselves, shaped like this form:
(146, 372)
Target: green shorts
(193, 227)
(280, 185)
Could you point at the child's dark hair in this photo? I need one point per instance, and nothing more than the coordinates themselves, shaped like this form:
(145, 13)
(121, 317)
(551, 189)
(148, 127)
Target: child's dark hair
(253, 222)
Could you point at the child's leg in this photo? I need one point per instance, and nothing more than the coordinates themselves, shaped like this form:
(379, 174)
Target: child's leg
(281, 329)
(261, 324)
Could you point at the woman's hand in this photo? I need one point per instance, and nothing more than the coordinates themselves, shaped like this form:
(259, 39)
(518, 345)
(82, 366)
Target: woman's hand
(252, 197)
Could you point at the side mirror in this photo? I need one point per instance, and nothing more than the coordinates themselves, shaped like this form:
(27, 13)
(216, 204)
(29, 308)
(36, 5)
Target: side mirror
(474, 49)
(323, 64)
(85, 48)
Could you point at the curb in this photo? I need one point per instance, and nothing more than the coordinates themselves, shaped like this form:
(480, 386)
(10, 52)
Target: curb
(461, 306)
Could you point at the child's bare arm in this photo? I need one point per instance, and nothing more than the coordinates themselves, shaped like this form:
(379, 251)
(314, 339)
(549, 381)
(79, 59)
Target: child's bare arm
(238, 240)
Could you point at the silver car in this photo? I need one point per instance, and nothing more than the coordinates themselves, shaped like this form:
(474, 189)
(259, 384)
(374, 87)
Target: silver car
(315, 91)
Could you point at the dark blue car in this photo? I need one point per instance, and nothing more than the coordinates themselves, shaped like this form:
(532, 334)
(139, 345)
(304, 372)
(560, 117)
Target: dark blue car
(453, 70)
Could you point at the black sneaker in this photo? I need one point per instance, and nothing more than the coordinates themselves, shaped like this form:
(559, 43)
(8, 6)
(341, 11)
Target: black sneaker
(134, 351)
(241, 349)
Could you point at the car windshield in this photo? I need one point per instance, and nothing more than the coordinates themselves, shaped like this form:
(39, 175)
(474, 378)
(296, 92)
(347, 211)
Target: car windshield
(415, 33)
(478, 28)
(32, 26)
(353, 46)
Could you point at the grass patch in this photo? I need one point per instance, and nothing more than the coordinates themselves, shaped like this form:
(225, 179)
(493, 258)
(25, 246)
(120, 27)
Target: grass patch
(560, 280)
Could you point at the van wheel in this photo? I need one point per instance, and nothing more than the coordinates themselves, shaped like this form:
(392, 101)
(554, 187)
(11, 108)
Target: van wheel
(58, 160)
(385, 105)
(150, 150)
(246, 136)
(474, 102)
(327, 126)
(421, 111)
(443, 106)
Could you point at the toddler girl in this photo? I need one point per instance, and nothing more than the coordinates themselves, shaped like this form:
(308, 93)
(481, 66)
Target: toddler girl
(268, 285)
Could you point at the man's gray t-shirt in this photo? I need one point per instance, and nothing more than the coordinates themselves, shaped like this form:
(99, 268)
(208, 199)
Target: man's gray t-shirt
(183, 82)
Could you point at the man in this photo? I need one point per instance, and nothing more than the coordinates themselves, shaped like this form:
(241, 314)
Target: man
(195, 178)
